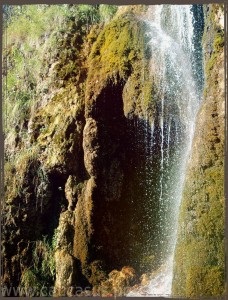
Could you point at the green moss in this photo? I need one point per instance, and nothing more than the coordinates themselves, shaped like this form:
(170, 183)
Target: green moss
(57, 127)
(119, 54)
(213, 38)
(118, 46)
(201, 236)
(139, 92)
(218, 46)
(200, 252)
(219, 41)
(15, 171)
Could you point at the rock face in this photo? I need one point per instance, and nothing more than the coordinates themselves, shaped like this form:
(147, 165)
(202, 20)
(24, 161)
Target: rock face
(75, 184)
(102, 214)
(73, 162)
(200, 250)
(118, 283)
(45, 179)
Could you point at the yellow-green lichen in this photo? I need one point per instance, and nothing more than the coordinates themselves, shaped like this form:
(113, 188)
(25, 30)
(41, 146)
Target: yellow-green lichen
(199, 268)
(116, 50)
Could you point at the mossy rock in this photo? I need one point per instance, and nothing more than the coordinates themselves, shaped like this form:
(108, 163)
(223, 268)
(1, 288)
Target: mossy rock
(199, 265)
(57, 128)
(119, 57)
(113, 54)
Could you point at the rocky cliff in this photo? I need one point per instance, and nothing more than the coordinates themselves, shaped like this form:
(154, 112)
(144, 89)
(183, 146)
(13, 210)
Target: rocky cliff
(66, 214)
(200, 251)
(80, 99)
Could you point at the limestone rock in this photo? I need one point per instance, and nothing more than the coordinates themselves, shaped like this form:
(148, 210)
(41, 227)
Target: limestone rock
(118, 282)
(91, 146)
(67, 274)
(71, 191)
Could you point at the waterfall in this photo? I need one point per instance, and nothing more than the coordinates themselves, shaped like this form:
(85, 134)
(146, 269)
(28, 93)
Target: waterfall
(171, 40)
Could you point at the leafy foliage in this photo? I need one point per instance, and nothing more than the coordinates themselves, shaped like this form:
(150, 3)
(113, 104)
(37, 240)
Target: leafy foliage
(42, 270)
(107, 12)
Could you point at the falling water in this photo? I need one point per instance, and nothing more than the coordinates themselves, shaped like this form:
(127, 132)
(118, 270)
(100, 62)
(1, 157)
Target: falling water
(171, 34)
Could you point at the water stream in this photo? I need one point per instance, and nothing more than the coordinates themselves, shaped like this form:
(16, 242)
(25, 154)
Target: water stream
(171, 41)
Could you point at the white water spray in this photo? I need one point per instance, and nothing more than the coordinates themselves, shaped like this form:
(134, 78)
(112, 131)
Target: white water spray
(171, 44)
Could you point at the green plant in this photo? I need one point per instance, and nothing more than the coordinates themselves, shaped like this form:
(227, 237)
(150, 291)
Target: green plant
(26, 42)
(43, 260)
(18, 164)
(30, 283)
(88, 14)
(107, 12)
(43, 269)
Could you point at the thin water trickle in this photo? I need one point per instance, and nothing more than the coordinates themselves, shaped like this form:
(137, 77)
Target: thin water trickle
(168, 140)
(172, 50)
